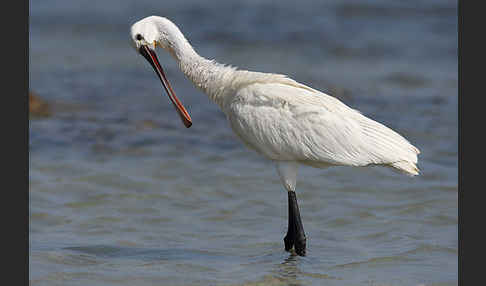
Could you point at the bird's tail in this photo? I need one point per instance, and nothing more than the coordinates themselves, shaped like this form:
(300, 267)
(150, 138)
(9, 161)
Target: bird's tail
(390, 148)
(406, 167)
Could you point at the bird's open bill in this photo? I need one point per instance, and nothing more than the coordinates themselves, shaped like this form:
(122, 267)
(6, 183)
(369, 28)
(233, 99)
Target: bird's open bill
(151, 57)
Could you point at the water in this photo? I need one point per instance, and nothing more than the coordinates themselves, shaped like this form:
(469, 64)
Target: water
(122, 194)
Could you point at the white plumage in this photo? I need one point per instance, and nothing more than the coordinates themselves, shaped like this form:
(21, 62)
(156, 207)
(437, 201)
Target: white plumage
(281, 119)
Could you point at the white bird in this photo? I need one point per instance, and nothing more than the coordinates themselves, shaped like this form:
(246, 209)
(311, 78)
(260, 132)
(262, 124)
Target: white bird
(283, 120)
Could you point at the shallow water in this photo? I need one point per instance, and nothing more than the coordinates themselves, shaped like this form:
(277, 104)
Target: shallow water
(122, 194)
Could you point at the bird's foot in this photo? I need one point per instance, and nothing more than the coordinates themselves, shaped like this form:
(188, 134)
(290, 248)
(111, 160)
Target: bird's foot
(295, 237)
(289, 242)
(300, 244)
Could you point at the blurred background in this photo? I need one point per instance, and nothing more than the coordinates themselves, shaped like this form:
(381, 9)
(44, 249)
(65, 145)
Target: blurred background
(121, 193)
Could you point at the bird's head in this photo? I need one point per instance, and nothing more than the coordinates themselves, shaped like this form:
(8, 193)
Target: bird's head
(152, 31)
(146, 35)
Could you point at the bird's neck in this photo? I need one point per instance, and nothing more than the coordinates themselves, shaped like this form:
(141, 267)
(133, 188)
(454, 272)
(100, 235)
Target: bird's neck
(207, 75)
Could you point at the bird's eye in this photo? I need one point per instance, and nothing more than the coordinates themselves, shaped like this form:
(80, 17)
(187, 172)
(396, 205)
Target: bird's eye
(138, 37)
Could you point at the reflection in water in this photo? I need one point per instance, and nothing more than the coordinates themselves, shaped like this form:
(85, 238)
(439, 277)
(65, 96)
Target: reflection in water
(289, 270)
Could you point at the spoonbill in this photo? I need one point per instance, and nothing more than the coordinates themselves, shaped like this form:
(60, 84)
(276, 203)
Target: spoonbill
(282, 120)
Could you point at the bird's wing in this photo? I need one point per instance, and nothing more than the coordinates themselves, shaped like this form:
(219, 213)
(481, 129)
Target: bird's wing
(290, 121)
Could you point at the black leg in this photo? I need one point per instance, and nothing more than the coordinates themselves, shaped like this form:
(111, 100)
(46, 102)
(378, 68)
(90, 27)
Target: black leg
(295, 235)
(289, 239)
